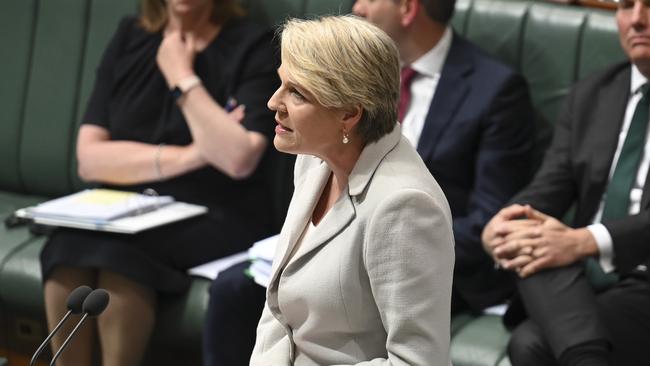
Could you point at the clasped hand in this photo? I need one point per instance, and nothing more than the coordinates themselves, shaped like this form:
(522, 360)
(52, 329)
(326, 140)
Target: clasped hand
(525, 240)
(175, 56)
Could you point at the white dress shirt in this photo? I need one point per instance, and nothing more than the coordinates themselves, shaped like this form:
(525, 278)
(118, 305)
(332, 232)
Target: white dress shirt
(423, 87)
(598, 230)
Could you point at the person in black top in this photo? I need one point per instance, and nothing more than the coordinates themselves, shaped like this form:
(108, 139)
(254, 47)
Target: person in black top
(160, 117)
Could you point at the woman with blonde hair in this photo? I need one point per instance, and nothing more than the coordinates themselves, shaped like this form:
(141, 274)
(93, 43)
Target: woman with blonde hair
(161, 116)
(363, 269)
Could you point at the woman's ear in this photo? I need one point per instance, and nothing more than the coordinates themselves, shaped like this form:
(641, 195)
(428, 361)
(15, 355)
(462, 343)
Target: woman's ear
(351, 117)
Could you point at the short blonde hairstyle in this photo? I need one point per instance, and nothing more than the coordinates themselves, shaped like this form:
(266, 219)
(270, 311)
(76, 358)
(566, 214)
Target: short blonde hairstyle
(345, 61)
(153, 13)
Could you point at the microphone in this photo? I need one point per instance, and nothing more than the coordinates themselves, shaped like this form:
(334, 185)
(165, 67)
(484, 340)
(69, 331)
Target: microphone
(93, 305)
(75, 303)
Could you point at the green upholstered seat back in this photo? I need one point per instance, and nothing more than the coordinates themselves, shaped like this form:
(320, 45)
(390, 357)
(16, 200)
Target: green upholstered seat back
(551, 45)
(51, 99)
(16, 31)
(499, 26)
(600, 45)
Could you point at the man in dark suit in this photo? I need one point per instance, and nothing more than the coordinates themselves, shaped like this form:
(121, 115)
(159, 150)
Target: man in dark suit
(471, 119)
(598, 161)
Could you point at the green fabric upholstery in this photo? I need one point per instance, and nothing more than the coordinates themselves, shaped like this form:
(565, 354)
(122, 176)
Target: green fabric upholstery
(47, 135)
(275, 12)
(549, 54)
(459, 321)
(497, 25)
(23, 297)
(481, 342)
(16, 29)
(47, 77)
(459, 21)
(12, 241)
(600, 44)
(331, 7)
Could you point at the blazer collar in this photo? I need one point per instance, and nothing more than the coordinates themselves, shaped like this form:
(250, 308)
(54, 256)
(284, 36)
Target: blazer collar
(370, 158)
(450, 92)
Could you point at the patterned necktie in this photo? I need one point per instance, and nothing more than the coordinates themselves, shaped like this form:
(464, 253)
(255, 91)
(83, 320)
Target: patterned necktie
(407, 75)
(617, 196)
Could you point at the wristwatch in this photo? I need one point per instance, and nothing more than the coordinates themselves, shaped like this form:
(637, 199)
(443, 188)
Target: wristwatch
(184, 86)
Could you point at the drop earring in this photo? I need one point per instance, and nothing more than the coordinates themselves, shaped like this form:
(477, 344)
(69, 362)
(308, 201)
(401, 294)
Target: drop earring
(346, 138)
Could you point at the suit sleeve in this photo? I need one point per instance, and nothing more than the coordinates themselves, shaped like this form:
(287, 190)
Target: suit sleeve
(553, 189)
(503, 166)
(630, 237)
(409, 258)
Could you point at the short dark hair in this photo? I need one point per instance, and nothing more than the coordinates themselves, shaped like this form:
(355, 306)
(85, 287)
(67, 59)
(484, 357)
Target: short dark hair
(439, 10)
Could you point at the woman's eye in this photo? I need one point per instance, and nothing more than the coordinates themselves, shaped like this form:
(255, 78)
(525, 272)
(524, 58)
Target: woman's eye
(296, 94)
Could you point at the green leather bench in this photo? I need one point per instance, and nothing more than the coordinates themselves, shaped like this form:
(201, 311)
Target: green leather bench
(47, 75)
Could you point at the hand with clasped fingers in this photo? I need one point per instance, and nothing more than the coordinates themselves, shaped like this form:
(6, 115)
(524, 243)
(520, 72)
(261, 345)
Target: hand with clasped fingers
(525, 240)
(176, 55)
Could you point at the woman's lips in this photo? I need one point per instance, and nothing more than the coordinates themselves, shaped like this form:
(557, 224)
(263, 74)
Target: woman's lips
(280, 128)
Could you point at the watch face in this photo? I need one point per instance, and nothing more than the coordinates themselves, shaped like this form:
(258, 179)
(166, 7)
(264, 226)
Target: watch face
(176, 93)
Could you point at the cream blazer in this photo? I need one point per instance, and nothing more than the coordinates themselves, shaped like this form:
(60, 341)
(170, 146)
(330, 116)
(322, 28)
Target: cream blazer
(371, 285)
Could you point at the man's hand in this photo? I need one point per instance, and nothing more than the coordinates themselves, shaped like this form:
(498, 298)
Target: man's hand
(553, 244)
(507, 225)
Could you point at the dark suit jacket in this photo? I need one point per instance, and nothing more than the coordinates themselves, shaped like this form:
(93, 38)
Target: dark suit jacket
(577, 165)
(477, 141)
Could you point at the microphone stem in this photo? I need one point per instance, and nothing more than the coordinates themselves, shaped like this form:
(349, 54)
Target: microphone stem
(67, 340)
(32, 362)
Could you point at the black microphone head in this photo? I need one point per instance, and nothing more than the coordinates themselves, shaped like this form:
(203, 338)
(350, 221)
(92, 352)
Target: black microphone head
(77, 297)
(96, 302)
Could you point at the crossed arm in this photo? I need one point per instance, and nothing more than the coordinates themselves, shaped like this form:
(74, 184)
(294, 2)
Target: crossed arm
(218, 139)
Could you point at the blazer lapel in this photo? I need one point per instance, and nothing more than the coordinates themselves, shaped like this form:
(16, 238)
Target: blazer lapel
(611, 102)
(299, 214)
(338, 217)
(450, 92)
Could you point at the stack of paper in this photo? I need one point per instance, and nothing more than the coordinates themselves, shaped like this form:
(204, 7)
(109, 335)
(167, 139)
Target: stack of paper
(110, 210)
(261, 255)
(99, 205)
(211, 270)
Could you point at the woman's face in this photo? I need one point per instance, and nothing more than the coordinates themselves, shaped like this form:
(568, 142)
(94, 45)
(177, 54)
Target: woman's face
(303, 125)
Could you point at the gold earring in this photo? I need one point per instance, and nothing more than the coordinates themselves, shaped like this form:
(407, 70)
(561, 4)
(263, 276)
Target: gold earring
(346, 138)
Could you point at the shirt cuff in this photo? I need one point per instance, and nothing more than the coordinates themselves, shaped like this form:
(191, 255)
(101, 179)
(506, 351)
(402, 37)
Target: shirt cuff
(605, 246)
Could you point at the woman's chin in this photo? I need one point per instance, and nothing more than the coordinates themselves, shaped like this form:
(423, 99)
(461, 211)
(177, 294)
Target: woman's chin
(281, 144)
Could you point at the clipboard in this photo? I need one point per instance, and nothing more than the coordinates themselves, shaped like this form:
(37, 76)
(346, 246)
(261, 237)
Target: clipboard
(172, 212)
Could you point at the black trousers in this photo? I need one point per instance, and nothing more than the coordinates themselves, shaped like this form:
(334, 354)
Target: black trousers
(235, 306)
(563, 311)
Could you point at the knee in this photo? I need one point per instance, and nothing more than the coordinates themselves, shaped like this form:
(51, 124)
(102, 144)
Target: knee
(526, 345)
